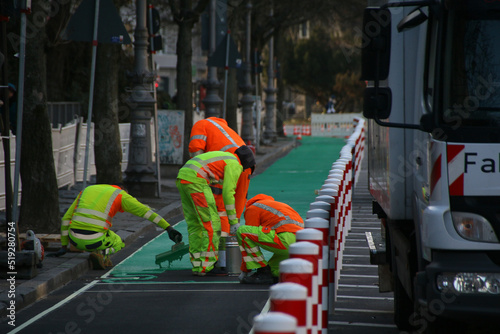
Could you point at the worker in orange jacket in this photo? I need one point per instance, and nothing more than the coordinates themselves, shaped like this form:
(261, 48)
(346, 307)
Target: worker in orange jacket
(271, 225)
(213, 134)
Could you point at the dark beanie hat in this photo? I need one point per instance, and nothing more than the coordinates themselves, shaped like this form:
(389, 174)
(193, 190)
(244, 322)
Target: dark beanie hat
(246, 156)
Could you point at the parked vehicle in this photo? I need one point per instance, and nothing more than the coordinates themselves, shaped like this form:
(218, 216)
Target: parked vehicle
(433, 103)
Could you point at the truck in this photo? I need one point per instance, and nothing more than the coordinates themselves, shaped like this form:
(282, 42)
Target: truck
(432, 104)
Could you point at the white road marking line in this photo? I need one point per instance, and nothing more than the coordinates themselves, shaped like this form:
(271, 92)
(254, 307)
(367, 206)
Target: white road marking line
(359, 276)
(56, 306)
(69, 298)
(181, 290)
(166, 283)
(265, 309)
(364, 297)
(357, 310)
(359, 324)
(357, 286)
(354, 255)
(360, 265)
(356, 247)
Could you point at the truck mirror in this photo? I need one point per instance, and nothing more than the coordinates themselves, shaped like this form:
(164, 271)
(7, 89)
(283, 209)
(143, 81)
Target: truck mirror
(412, 20)
(376, 47)
(427, 123)
(377, 102)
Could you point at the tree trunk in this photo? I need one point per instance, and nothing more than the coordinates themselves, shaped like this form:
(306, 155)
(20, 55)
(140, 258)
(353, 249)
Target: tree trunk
(184, 80)
(40, 197)
(280, 89)
(232, 100)
(107, 147)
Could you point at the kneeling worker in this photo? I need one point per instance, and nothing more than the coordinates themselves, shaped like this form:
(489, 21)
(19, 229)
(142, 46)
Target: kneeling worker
(86, 224)
(271, 225)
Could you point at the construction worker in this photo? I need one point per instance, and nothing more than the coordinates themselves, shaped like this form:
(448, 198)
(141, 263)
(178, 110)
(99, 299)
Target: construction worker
(271, 225)
(199, 207)
(86, 224)
(213, 134)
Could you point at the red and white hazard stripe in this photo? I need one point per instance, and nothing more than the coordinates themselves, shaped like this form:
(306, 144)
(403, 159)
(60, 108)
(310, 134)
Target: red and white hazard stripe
(455, 159)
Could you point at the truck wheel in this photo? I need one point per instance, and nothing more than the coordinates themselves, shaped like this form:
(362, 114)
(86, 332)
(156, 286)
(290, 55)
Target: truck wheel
(403, 306)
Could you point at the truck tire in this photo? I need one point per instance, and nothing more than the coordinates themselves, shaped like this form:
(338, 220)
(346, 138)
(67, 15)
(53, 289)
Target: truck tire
(403, 306)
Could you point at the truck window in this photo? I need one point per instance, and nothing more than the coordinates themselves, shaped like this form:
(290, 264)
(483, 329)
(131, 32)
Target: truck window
(471, 83)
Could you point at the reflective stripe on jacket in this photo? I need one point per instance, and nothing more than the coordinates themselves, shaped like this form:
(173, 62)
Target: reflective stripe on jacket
(272, 215)
(95, 207)
(215, 168)
(213, 134)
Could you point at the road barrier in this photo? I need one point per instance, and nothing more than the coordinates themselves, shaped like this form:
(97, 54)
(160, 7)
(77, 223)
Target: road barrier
(327, 224)
(290, 298)
(68, 149)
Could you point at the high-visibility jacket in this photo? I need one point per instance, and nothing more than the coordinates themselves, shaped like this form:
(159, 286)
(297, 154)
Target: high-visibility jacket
(213, 134)
(95, 207)
(215, 168)
(263, 210)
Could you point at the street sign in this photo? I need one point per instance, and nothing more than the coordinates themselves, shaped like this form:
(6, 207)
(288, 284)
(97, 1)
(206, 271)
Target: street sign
(111, 28)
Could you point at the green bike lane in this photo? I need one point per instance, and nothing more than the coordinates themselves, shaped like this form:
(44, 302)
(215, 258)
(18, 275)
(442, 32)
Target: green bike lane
(294, 180)
(141, 294)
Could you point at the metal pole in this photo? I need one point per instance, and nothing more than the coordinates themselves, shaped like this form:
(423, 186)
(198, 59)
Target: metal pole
(91, 92)
(257, 102)
(226, 70)
(20, 107)
(140, 174)
(212, 101)
(270, 120)
(247, 100)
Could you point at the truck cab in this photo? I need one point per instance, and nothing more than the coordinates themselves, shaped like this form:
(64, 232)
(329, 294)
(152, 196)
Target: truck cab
(433, 102)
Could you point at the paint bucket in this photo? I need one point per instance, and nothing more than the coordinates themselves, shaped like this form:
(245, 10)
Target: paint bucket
(233, 256)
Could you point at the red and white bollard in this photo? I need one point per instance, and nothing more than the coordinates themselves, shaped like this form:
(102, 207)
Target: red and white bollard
(316, 237)
(290, 298)
(275, 323)
(310, 252)
(299, 271)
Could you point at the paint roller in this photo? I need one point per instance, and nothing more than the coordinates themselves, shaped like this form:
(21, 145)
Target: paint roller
(176, 253)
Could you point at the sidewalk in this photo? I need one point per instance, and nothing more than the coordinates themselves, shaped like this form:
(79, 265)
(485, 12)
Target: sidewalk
(57, 272)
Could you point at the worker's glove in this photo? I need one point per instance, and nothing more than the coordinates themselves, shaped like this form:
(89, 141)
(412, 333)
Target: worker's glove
(174, 235)
(234, 228)
(60, 252)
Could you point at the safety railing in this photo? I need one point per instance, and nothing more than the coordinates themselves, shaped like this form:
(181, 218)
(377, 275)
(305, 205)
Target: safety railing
(68, 149)
(307, 291)
(324, 125)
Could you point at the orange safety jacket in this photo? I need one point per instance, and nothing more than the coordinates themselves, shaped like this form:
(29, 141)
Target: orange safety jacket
(95, 207)
(213, 134)
(263, 210)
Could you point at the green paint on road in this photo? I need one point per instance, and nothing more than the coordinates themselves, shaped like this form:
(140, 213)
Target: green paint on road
(293, 180)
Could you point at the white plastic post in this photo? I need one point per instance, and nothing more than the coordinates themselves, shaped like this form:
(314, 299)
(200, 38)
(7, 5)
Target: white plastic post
(290, 298)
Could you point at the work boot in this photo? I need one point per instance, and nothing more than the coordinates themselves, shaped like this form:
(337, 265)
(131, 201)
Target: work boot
(260, 276)
(217, 271)
(107, 261)
(97, 260)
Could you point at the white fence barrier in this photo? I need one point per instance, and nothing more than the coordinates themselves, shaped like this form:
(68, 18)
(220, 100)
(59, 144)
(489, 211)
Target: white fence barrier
(68, 144)
(325, 125)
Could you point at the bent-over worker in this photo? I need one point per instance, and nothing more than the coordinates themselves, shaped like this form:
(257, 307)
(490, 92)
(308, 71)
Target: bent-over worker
(86, 224)
(198, 202)
(213, 134)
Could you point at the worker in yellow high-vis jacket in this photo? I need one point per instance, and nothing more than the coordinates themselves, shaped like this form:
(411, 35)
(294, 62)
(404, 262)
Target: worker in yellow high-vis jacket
(86, 225)
(198, 202)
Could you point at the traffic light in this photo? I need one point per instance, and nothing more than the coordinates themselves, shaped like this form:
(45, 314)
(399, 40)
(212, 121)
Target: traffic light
(154, 22)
